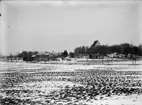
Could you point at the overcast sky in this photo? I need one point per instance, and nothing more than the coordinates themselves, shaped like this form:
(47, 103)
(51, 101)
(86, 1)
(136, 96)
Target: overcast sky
(59, 25)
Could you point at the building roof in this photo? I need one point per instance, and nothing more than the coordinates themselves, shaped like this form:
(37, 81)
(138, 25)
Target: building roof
(43, 53)
(96, 43)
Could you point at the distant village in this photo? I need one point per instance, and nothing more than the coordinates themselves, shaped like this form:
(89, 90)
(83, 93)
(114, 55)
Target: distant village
(95, 51)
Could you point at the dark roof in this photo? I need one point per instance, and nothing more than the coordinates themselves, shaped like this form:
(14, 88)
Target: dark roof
(94, 44)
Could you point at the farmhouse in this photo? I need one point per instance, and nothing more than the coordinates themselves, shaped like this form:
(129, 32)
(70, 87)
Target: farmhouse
(43, 56)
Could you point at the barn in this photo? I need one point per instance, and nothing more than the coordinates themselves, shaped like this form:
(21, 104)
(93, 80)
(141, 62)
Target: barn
(95, 44)
(95, 54)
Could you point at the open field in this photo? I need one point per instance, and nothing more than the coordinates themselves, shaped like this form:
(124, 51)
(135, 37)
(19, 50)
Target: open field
(76, 84)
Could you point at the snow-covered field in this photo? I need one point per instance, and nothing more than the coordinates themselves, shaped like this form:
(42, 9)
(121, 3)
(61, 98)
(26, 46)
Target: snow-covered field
(60, 84)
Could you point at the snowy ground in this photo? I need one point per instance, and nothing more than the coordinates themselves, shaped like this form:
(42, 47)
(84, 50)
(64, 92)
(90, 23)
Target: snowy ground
(39, 91)
(12, 66)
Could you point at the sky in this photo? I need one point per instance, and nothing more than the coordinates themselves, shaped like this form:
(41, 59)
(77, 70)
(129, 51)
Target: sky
(34, 25)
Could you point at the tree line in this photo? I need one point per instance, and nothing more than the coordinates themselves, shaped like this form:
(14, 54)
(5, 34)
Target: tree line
(28, 55)
(124, 48)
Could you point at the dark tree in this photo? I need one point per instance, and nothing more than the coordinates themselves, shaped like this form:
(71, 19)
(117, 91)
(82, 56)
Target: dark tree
(65, 53)
(140, 49)
(126, 48)
(115, 49)
(82, 50)
(26, 55)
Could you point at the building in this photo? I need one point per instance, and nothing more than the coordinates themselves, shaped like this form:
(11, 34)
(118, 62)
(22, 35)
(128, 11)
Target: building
(94, 50)
(43, 56)
(95, 44)
(96, 56)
